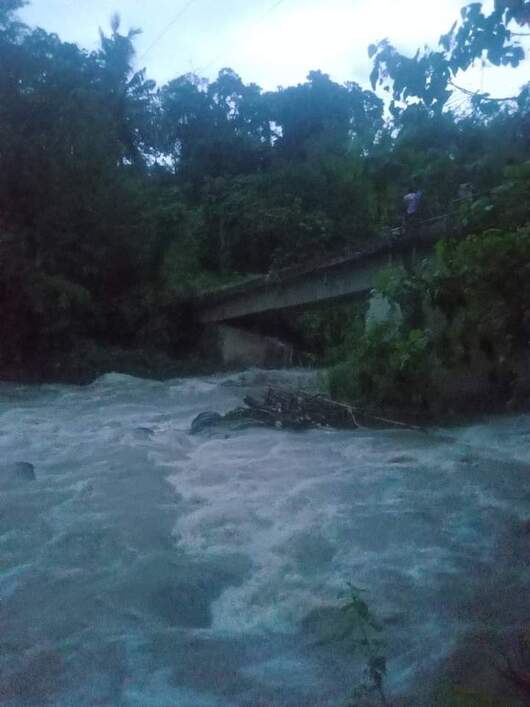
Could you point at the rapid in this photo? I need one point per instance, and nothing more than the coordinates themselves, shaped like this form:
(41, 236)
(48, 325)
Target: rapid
(142, 566)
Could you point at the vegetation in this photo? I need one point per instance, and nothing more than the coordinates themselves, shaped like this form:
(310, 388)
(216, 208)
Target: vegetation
(119, 198)
(465, 315)
(363, 633)
(465, 319)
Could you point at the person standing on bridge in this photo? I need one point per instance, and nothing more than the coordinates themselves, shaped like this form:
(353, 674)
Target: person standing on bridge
(412, 201)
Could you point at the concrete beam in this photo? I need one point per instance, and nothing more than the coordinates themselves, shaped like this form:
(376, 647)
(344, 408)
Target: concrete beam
(345, 278)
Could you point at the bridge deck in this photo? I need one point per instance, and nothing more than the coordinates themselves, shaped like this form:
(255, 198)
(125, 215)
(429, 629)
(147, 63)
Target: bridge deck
(348, 276)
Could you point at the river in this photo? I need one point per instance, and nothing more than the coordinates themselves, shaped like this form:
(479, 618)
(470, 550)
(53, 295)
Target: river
(146, 567)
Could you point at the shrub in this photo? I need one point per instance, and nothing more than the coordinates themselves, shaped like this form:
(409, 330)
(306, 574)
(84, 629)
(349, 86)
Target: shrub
(480, 286)
(386, 366)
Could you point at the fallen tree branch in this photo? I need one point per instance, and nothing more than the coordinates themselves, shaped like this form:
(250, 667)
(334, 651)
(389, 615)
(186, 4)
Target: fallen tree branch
(281, 408)
(370, 415)
(319, 410)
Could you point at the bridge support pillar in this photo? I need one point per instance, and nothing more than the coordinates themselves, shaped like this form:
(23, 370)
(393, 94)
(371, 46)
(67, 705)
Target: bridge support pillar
(239, 348)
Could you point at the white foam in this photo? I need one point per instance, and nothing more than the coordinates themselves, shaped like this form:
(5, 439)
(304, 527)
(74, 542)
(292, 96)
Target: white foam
(401, 514)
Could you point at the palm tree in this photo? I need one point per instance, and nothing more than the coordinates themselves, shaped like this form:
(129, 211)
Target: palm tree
(129, 92)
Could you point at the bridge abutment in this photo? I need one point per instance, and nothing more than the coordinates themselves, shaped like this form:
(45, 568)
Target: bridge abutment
(235, 347)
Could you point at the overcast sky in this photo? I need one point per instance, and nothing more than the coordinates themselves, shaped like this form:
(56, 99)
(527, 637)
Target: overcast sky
(269, 42)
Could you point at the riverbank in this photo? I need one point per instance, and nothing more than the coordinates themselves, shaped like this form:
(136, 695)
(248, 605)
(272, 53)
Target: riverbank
(465, 396)
(455, 396)
(87, 361)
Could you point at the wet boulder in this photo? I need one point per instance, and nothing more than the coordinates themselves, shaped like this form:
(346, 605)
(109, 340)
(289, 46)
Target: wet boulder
(24, 471)
(19, 471)
(205, 421)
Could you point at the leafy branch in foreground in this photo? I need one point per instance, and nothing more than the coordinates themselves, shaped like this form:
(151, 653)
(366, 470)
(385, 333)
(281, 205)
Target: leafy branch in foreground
(476, 36)
(362, 632)
(515, 667)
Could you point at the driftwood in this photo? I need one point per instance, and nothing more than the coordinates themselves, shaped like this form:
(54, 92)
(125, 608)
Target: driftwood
(297, 410)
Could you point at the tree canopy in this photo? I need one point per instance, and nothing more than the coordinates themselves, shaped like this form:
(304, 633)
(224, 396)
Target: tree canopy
(429, 75)
(118, 197)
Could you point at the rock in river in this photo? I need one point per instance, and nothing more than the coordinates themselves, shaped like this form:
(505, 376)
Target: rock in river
(204, 421)
(20, 471)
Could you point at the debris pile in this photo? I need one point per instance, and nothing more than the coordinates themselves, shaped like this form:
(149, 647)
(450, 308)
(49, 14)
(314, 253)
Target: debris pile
(295, 410)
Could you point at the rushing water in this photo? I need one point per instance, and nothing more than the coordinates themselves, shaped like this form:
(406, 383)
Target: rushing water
(144, 567)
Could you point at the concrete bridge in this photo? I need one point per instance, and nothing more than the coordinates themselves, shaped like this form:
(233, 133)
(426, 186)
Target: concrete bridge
(348, 277)
(345, 278)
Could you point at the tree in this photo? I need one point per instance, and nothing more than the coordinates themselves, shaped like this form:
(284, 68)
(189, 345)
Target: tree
(315, 110)
(116, 195)
(429, 75)
(129, 92)
(479, 35)
(7, 11)
(214, 130)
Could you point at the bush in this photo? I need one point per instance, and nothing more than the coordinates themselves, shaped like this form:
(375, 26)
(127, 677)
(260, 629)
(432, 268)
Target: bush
(479, 292)
(41, 313)
(386, 367)
(485, 279)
